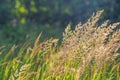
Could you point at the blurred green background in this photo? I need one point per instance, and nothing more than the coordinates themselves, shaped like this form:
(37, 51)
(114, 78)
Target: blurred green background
(23, 20)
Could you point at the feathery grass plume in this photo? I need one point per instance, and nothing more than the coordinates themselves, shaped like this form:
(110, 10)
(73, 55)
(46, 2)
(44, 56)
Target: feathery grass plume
(21, 73)
(86, 45)
(37, 40)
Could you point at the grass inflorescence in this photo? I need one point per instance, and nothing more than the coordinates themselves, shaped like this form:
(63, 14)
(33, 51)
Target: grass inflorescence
(89, 52)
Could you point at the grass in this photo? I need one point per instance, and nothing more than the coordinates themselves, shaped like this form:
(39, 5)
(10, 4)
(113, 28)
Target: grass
(89, 52)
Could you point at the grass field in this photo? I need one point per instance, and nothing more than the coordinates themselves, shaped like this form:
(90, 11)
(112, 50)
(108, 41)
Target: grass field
(89, 52)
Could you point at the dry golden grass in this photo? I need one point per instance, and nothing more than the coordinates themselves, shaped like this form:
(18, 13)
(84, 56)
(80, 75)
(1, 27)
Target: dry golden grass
(88, 44)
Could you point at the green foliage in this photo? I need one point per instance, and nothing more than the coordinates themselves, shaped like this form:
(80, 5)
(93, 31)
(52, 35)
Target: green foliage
(16, 34)
(60, 11)
(45, 12)
(23, 17)
(5, 11)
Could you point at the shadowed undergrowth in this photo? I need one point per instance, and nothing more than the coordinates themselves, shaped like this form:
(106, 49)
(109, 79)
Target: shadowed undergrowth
(89, 52)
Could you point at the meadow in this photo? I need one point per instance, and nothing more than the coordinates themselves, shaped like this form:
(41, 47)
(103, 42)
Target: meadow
(89, 52)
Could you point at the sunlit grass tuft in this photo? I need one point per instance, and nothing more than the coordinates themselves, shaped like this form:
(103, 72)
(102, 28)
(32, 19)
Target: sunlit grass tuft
(90, 52)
